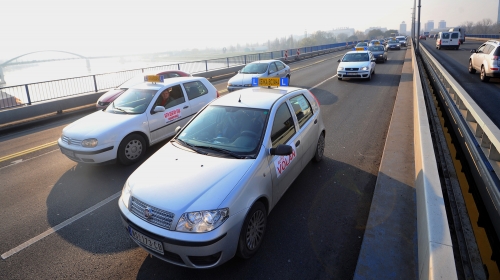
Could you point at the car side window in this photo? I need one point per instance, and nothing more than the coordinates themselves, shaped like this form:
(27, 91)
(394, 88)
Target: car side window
(454, 35)
(283, 126)
(272, 68)
(195, 89)
(170, 97)
(481, 49)
(446, 35)
(488, 49)
(280, 66)
(302, 109)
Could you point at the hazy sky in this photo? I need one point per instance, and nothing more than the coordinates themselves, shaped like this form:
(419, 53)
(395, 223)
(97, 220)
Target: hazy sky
(103, 27)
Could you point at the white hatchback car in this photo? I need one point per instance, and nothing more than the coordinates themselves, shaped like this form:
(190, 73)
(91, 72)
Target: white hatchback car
(136, 120)
(204, 197)
(258, 69)
(357, 64)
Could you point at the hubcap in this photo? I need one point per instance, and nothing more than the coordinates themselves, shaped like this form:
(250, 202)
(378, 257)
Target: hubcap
(255, 230)
(133, 149)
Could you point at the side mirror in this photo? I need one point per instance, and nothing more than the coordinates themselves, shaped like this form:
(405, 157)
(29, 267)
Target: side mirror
(177, 129)
(159, 109)
(281, 150)
(473, 51)
(338, 60)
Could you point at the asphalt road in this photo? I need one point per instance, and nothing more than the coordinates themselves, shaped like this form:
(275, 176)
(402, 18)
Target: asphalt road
(456, 62)
(60, 219)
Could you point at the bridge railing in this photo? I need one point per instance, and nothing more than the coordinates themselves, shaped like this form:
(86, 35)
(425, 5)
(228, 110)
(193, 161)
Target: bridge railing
(480, 137)
(486, 36)
(28, 94)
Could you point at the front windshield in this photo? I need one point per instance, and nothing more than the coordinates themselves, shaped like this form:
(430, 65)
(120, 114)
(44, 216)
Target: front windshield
(352, 57)
(132, 101)
(132, 82)
(376, 49)
(254, 68)
(234, 129)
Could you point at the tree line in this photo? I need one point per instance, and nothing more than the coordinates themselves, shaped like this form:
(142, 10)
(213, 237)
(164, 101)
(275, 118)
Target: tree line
(485, 26)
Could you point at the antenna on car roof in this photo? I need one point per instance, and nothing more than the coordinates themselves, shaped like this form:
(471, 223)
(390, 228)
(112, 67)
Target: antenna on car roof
(239, 100)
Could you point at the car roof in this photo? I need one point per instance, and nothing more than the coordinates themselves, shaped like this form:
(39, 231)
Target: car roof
(255, 97)
(264, 61)
(166, 82)
(357, 52)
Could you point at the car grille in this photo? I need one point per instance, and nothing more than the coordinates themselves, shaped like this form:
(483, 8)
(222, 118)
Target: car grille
(159, 217)
(352, 69)
(71, 141)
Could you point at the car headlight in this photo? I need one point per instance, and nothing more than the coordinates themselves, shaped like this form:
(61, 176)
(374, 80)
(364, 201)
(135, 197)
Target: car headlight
(229, 84)
(202, 221)
(126, 194)
(380, 55)
(340, 68)
(89, 143)
(364, 68)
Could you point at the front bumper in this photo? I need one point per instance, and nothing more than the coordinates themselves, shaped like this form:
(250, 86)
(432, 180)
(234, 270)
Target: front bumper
(91, 155)
(193, 250)
(353, 74)
(234, 88)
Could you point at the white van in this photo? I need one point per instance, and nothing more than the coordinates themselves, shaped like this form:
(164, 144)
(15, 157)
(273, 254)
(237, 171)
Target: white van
(448, 40)
(462, 33)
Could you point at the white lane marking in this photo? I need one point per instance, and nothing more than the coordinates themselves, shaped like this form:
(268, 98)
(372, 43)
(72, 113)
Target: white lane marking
(323, 82)
(25, 160)
(58, 227)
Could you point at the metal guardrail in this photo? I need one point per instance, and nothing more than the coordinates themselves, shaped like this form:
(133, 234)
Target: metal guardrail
(28, 94)
(481, 136)
(435, 248)
(487, 36)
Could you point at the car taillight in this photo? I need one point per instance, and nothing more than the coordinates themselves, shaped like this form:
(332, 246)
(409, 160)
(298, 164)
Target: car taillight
(439, 41)
(496, 57)
(218, 95)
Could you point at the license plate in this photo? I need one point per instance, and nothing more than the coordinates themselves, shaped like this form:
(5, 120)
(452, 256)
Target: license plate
(150, 243)
(350, 74)
(269, 82)
(68, 152)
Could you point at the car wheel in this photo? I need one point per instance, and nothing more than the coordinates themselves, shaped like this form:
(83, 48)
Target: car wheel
(252, 232)
(340, 79)
(483, 76)
(320, 148)
(288, 76)
(471, 69)
(369, 77)
(131, 149)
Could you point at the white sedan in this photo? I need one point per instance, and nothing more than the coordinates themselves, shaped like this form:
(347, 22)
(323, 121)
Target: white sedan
(204, 197)
(136, 120)
(357, 64)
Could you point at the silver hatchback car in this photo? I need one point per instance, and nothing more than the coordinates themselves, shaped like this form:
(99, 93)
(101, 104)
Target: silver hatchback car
(486, 59)
(205, 196)
(258, 69)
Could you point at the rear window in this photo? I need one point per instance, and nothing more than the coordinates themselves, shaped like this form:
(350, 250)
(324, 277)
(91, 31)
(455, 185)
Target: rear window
(454, 35)
(445, 36)
(497, 52)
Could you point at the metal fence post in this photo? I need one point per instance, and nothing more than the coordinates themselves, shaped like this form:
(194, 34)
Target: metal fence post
(28, 94)
(206, 65)
(95, 83)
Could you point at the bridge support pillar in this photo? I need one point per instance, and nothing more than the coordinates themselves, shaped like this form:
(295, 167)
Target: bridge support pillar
(2, 77)
(88, 65)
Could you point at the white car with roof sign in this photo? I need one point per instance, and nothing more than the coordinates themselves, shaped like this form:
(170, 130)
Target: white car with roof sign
(221, 176)
(143, 115)
(357, 64)
(258, 69)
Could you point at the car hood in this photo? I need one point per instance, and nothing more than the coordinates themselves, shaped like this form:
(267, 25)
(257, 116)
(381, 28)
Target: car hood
(244, 79)
(354, 64)
(98, 124)
(111, 95)
(377, 53)
(180, 180)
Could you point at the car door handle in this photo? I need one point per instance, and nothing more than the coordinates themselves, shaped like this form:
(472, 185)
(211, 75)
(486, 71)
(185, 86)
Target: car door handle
(315, 121)
(185, 107)
(297, 143)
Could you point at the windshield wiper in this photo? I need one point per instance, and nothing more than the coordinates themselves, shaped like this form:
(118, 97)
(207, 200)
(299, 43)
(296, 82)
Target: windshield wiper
(119, 109)
(185, 144)
(224, 151)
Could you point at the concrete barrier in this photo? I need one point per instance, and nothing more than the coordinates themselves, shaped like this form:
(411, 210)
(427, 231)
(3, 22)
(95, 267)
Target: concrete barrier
(435, 249)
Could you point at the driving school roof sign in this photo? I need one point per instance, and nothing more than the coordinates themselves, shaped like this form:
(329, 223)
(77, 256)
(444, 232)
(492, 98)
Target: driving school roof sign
(270, 82)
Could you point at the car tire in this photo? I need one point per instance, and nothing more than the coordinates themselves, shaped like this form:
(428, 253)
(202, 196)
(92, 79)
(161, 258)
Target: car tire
(369, 77)
(131, 149)
(252, 232)
(340, 79)
(471, 68)
(320, 148)
(483, 76)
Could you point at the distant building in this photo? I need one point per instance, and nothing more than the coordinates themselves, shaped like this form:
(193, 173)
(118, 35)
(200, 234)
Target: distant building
(346, 30)
(442, 24)
(402, 28)
(429, 26)
(383, 29)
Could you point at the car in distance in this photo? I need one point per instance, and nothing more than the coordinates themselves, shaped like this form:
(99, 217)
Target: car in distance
(258, 69)
(112, 94)
(143, 115)
(402, 40)
(379, 52)
(486, 59)
(357, 64)
(393, 44)
(361, 45)
(221, 176)
(422, 37)
(374, 43)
